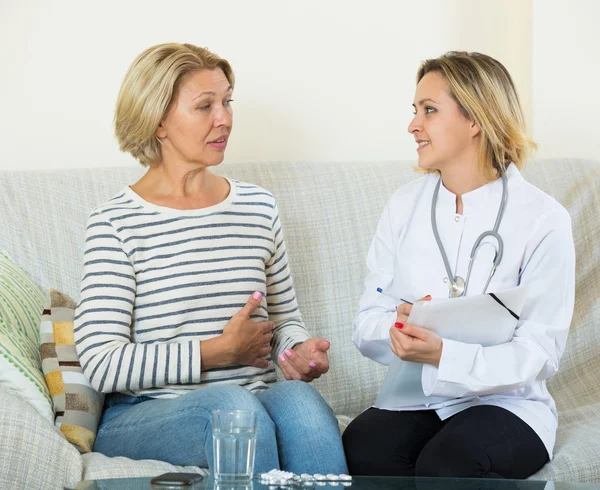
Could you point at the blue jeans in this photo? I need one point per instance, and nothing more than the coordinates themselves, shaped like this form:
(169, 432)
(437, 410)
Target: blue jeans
(296, 429)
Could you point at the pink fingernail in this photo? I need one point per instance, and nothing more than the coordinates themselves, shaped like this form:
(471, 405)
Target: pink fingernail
(257, 295)
(269, 363)
(288, 352)
(312, 364)
(282, 357)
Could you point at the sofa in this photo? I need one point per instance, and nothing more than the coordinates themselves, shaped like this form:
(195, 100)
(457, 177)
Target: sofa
(329, 212)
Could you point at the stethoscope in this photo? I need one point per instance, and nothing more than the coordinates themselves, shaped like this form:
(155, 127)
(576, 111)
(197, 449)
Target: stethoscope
(457, 285)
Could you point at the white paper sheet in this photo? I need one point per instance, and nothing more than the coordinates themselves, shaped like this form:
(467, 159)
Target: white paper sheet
(478, 319)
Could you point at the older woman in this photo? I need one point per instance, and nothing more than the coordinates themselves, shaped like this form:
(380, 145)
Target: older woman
(186, 291)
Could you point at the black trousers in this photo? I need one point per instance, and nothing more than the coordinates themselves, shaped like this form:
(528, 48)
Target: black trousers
(482, 442)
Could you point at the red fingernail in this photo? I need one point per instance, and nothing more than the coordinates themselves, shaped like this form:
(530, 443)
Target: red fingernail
(398, 325)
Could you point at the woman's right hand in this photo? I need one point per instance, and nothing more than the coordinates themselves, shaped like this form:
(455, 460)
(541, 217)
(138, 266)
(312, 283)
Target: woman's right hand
(403, 311)
(247, 341)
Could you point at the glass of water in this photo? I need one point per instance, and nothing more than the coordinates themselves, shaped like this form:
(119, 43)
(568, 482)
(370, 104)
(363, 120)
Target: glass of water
(234, 441)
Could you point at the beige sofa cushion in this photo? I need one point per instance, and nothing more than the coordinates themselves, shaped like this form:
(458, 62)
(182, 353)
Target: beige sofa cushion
(33, 453)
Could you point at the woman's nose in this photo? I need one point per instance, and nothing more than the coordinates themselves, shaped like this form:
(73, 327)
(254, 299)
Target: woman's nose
(414, 125)
(222, 117)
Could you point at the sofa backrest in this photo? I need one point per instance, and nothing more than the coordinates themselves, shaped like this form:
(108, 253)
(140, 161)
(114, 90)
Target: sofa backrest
(329, 212)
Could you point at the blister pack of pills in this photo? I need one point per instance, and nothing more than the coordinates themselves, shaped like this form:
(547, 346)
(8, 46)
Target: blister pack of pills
(275, 478)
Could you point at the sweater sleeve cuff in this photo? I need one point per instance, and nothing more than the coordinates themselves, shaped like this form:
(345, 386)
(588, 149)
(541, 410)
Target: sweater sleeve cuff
(195, 371)
(287, 338)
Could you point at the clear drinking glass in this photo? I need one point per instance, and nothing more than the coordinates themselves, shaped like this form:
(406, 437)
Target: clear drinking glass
(234, 441)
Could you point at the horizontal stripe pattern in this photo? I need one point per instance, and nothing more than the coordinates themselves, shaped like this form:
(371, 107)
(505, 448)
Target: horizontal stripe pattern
(158, 281)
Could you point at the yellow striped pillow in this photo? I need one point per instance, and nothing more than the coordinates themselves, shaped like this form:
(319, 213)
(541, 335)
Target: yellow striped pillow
(77, 405)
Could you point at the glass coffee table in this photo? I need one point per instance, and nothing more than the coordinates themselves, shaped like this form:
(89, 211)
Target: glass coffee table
(358, 483)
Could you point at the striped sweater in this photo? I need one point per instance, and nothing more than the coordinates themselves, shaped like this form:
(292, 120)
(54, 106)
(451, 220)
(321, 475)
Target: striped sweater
(157, 281)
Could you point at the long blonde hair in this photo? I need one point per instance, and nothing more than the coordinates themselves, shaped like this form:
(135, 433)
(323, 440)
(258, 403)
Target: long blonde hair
(148, 90)
(486, 95)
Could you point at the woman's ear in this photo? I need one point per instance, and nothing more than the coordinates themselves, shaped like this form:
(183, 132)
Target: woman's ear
(475, 129)
(161, 132)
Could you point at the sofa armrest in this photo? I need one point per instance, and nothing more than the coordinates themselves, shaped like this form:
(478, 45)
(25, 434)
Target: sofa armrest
(34, 453)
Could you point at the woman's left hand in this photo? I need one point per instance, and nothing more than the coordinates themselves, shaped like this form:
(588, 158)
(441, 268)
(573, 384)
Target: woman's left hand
(306, 361)
(416, 344)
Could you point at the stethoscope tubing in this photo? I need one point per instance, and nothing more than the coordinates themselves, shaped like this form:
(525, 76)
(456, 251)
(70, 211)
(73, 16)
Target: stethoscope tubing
(453, 280)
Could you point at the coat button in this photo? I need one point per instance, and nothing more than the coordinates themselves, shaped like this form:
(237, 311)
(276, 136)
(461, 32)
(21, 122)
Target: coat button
(457, 219)
(446, 280)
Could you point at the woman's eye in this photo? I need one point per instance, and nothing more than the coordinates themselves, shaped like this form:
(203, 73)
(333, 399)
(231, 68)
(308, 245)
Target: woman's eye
(204, 107)
(429, 110)
(228, 101)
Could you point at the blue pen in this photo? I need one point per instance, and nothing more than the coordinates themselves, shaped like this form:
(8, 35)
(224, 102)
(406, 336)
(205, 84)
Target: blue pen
(397, 300)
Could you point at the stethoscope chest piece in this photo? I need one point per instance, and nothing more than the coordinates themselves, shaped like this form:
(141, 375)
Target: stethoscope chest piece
(457, 287)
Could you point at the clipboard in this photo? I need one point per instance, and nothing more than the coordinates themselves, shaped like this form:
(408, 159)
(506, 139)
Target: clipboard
(485, 319)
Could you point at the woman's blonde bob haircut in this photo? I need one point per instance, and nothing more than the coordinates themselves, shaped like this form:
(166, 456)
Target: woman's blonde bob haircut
(148, 90)
(486, 95)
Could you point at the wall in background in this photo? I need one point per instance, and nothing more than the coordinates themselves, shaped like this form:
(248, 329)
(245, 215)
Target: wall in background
(566, 78)
(315, 80)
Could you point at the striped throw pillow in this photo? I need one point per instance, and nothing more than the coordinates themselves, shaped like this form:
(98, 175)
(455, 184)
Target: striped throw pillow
(77, 405)
(21, 302)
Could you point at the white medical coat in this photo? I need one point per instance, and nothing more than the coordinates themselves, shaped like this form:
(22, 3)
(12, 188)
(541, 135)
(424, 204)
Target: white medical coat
(405, 261)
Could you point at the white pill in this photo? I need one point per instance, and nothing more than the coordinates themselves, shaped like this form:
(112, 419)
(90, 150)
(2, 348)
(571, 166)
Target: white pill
(346, 483)
(345, 477)
(318, 476)
(331, 476)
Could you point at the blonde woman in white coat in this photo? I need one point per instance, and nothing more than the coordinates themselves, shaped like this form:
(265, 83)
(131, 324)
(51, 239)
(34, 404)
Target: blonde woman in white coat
(499, 420)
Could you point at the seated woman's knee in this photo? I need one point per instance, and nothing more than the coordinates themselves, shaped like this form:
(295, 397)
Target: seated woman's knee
(449, 458)
(299, 391)
(303, 400)
(364, 454)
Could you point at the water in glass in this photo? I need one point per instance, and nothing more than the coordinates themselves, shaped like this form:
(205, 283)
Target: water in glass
(234, 440)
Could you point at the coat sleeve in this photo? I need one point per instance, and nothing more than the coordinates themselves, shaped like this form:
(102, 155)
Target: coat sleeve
(376, 312)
